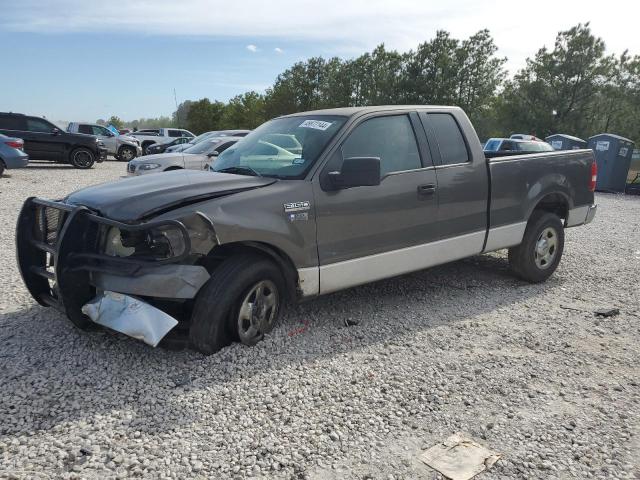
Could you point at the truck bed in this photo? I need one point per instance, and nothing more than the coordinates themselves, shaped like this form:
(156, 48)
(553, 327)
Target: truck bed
(518, 182)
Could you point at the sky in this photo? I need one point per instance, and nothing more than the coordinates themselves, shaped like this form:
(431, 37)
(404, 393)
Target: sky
(80, 60)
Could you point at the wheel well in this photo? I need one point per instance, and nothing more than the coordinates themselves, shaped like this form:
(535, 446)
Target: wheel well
(555, 203)
(289, 272)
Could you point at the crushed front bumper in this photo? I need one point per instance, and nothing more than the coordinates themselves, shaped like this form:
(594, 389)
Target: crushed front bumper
(58, 251)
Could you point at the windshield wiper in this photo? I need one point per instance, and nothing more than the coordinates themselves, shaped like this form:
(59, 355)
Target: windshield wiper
(239, 170)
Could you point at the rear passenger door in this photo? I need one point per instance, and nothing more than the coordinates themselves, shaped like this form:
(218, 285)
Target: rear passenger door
(463, 186)
(43, 141)
(370, 232)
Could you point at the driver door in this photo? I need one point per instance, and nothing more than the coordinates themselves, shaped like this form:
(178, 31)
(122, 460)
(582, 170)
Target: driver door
(372, 232)
(107, 137)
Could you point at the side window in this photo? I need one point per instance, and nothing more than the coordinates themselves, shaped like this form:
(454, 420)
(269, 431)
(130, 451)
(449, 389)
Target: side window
(98, 130)
(507, 146)
(85, 129)
(12, 122)
(39, 125)
(175, 133)
(223, 147)
(184, 133)
(450, 140)
(389, 138)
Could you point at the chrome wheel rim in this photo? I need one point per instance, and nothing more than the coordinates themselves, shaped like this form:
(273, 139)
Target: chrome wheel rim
(546, 248)
(127, 154)
(258, 312)
(83, 158)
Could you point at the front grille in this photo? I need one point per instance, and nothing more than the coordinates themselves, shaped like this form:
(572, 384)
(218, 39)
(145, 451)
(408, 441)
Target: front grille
(38, 234)
(49, 221)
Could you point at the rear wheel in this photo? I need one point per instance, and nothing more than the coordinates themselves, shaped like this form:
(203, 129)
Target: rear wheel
(82, 158)
(126, 154)
(539, 254)
(2, 167)
(241, 301)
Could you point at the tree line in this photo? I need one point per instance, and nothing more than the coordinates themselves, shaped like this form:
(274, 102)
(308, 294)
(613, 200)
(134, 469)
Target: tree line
(576, 87)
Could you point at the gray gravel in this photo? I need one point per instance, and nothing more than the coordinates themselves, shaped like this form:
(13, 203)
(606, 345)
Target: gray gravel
(526, 369)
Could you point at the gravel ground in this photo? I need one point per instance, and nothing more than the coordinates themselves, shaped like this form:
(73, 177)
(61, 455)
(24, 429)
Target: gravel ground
(528, 370)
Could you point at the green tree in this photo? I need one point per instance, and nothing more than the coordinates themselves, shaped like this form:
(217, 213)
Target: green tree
(179, 117)
(115, 121)
(204, 116)
(244, 111)
(556, 91)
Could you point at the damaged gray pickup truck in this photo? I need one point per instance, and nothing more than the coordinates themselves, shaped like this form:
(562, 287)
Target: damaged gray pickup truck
(374, 192)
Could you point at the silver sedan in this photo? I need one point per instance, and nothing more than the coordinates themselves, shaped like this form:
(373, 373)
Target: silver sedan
(197, 157)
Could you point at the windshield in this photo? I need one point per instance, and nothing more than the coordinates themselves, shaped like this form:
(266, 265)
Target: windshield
(202, 147)
(306, 137)
(200, 138)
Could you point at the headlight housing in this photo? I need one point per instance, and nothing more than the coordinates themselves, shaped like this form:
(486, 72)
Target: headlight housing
(162, 242)
(148, 166)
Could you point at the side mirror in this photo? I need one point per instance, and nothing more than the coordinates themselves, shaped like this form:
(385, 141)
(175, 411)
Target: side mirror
(55, 131)
(356, 172)
(213, 154)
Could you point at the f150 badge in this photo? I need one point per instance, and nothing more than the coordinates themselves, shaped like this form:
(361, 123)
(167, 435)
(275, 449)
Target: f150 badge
(297, 211)
(297, 206)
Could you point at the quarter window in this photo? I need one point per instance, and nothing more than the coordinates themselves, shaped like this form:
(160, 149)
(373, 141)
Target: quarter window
(389, 138)
(449, 137)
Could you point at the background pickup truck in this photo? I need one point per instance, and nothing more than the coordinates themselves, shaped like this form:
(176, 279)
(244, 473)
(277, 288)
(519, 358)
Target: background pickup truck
(368, 193)
(148, 137)
(122, 147)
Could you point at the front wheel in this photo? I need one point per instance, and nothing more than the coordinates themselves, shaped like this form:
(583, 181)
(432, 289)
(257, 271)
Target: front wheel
(82, 158)
(241, 301)
(539, 254)
(125, 154)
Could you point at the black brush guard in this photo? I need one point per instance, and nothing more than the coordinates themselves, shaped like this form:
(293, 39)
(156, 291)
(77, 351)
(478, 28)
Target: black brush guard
(57, 247)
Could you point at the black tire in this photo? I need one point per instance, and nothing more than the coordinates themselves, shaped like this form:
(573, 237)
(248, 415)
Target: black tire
(527, 260)
(145, 146)
(126, 153)
(2, 167)
(215, 321)
(82, 158)
(173, 168)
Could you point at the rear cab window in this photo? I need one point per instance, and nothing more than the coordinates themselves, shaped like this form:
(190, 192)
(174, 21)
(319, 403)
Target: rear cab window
(449, 137)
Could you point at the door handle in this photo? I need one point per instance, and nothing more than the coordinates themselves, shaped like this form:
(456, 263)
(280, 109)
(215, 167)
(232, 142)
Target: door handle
(428, 189)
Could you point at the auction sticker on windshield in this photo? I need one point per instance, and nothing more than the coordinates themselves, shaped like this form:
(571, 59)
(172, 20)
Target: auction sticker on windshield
(317, 124)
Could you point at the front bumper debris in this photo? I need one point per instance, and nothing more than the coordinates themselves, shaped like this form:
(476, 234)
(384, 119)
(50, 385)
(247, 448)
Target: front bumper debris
(57, 247)
(130, 316)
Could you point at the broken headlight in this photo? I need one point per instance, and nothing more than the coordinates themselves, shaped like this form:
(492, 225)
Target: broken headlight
(162, 242)
(158, 243)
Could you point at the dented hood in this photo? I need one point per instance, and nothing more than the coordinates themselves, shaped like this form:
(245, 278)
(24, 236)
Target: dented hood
(134, 198)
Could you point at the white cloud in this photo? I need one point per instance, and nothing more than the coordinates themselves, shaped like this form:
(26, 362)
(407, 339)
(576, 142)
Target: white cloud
(278, 50)
(252, 48)
(336, 26)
